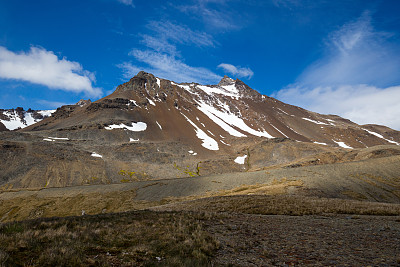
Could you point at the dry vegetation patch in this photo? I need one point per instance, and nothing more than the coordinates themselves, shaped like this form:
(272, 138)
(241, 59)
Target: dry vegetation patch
(124, 239)
(285, 205)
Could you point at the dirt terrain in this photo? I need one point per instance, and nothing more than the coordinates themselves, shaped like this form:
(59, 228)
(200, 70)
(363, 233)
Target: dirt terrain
(375, 179)
(260, 240)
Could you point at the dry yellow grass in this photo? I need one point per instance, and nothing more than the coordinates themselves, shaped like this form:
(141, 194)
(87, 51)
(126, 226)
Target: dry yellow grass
(32, 207)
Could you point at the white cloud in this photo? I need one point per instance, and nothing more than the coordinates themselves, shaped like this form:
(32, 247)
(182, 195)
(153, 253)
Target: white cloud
(237, 71)
(356, 54)
(362, 104)
(357, 79)
(43, 67)
(168, 67)
(127, 2)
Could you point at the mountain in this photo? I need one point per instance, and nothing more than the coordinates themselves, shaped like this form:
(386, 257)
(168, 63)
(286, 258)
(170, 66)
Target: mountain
(12, 119)
(152, 128)
(208, 117)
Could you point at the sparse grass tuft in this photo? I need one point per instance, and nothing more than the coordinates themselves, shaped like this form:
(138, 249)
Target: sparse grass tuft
(12, 228)
(125, 239)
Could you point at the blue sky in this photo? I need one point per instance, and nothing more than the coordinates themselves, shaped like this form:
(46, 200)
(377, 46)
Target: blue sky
(337, 57)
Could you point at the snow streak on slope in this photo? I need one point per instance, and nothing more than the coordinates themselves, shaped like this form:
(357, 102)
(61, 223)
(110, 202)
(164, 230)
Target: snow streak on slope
(380, 136)
(136, 126)
(208, 142)
(342, 144)
(316, 122)
(320, 143)
(213, 113)
(219, 90)
(225, 120)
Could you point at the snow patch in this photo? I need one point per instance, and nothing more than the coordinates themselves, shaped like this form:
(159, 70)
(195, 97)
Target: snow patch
(49, 140)
(219, 90)
(231, 88)
(240, 160)
(208, 142)
(59, 138)
(46, 113)
(320, 143)
(158, 83)
(15, 121)
(316, 122)
(224, 143)
(283, 111)
(151, 102)
(159, 125)
(94, 154)
(381, 136)
(279, 131)
(342, 144)
(226, 119)
(133, 140)
(136, 126)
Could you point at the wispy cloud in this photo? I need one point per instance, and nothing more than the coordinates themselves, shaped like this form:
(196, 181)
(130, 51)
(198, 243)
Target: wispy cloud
(167, 66)
(286, 3)
(237, 70)
(160, 45)
(356, 54)
(43, 67)
(180, 34)
(357, 78)
(127, 2)
(162, 57)
(219, 16)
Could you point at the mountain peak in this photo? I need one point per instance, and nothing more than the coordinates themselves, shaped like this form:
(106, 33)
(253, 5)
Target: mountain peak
(145, 75)
(83, 102)
(226, 81)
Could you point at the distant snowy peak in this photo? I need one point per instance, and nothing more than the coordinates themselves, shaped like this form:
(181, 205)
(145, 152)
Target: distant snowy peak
(13, 119)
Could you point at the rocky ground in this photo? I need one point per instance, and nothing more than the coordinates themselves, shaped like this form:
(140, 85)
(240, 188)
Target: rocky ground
(333, 240)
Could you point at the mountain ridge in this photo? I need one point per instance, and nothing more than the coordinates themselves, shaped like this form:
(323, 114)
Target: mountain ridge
(230, 108)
